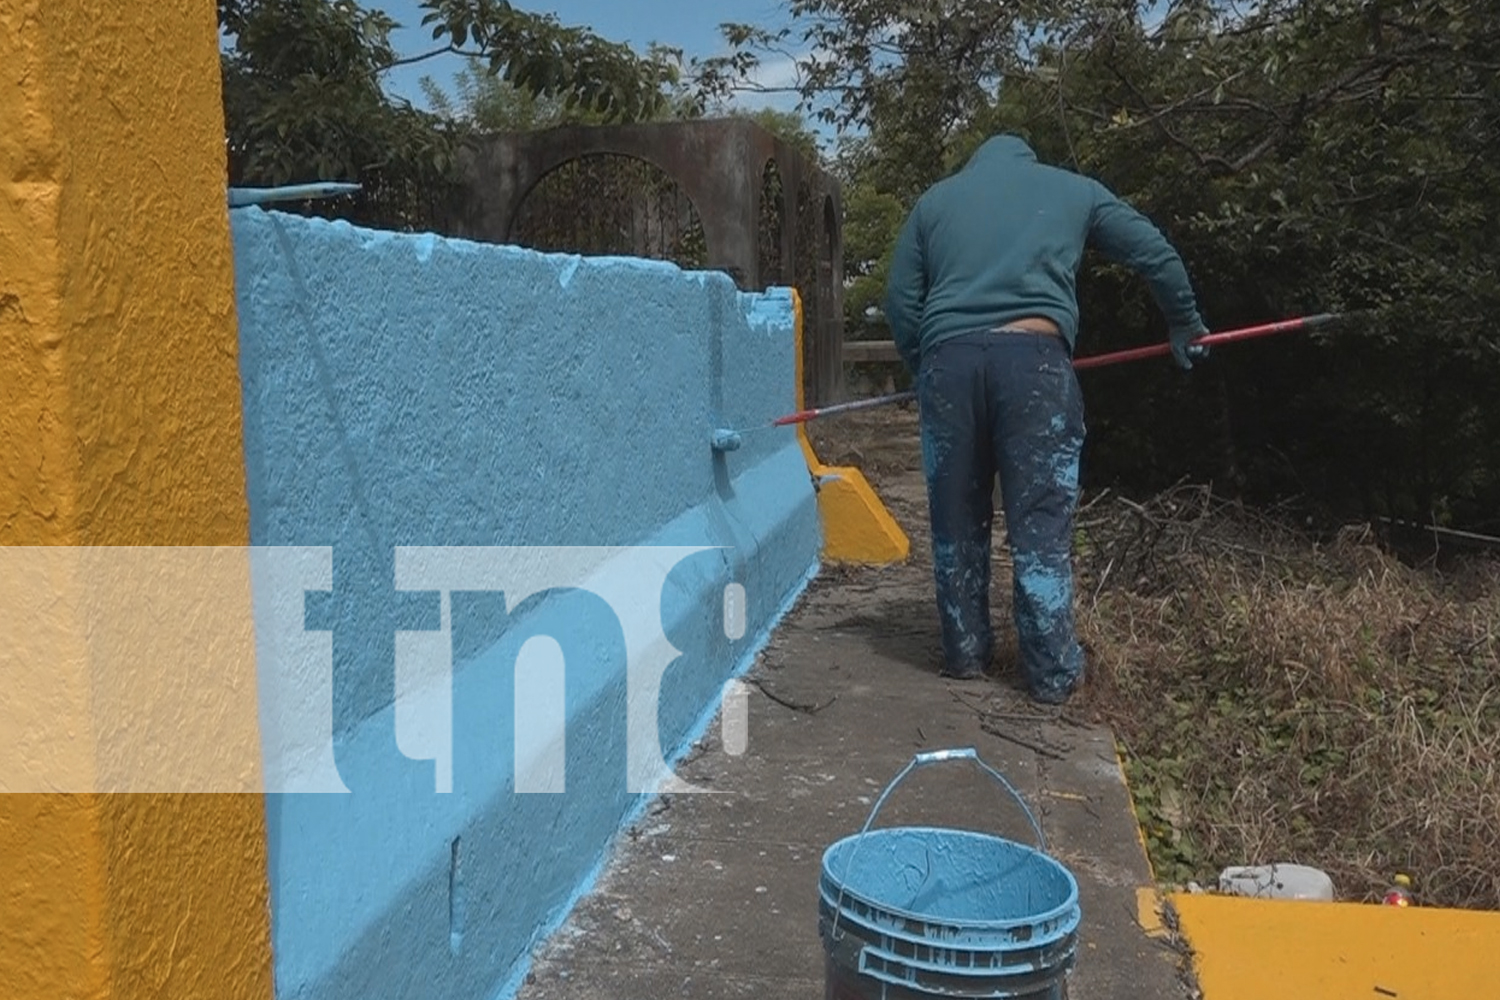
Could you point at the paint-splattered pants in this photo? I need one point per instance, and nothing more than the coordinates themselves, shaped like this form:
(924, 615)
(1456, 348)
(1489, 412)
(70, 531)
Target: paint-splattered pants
(1005, 403)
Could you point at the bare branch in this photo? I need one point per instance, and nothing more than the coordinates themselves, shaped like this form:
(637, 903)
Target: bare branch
(423, 57)
(1256, 152)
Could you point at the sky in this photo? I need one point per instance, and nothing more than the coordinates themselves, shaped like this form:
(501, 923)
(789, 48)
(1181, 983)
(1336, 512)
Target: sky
(691, 25)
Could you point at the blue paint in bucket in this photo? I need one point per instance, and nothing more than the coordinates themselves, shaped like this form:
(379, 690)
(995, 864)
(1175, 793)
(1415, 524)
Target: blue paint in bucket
(908, 913)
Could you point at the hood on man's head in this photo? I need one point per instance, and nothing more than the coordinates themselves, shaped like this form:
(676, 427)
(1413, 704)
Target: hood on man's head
(1003, 147)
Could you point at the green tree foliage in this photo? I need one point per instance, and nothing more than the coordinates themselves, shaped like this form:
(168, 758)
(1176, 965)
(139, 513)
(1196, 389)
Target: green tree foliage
(490, 103)
(487, 102)
(304, 101)
(872, 217)
(304, 97)
(541, 56)
(1309, 156)
(788, 126)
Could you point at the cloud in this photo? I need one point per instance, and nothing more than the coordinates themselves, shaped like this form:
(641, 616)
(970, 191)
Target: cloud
(777, 72)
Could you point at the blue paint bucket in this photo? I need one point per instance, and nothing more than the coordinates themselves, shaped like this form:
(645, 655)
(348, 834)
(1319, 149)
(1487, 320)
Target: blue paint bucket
(910, 913)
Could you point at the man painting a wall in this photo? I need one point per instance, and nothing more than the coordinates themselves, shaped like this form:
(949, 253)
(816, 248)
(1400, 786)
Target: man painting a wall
(982, 306)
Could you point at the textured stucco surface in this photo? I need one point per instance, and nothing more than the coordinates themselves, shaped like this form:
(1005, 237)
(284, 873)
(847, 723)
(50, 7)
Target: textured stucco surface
(411, 391)
(120, 427)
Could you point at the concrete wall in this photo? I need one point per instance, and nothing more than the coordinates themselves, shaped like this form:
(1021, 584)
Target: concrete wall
(412, 391)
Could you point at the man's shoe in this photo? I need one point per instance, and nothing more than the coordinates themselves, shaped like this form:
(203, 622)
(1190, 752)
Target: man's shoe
(1057, 695)
(968, 672)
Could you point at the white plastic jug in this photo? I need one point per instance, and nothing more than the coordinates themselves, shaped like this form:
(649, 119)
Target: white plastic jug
(1279, 881)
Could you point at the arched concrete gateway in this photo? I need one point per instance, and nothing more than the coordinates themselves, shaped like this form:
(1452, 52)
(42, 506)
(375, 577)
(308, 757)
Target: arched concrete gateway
(723, 194)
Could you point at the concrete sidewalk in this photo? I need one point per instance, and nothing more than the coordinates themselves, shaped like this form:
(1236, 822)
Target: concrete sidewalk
(715, 896)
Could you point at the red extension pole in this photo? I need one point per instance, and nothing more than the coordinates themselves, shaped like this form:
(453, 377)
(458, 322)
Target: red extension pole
(1081, 364)
(1212, 339)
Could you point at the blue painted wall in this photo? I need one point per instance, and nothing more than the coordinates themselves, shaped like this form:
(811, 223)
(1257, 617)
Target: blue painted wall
(408, 390)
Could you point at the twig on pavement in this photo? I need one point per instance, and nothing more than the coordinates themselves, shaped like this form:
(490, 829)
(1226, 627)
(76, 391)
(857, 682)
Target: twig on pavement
(1027, 744)
(796, 706)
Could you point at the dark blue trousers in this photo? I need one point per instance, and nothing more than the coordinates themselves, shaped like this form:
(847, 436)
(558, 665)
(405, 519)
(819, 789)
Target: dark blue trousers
(1004, 403)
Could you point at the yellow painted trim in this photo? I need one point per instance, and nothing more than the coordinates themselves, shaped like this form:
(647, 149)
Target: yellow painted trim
(1149, 902)
(1250, 949)
(1148, 912)
(857, 526)
(122, 427)
(1140, 834)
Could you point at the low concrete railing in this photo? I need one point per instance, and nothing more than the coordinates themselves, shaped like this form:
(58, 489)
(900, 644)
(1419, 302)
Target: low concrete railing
(420, 408)
(870, 351)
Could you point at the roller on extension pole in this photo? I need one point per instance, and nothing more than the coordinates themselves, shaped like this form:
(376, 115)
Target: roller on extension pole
(725, 439)
(1211, 340)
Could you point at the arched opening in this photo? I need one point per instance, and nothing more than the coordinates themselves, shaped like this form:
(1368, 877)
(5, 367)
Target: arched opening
(615, 205)
(805, 245)
(770, 225)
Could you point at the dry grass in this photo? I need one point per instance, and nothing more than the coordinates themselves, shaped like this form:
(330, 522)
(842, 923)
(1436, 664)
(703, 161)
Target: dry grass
(1278, 700)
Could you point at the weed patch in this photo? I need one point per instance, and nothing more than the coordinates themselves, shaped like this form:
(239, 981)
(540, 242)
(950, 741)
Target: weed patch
(1278, 699)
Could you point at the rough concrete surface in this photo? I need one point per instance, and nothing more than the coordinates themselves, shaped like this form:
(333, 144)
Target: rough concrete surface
(714, 896)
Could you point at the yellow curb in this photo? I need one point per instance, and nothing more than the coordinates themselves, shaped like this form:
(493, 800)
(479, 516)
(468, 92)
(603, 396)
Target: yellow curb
(1140, 834)
(1148, 907)
(1251, 949)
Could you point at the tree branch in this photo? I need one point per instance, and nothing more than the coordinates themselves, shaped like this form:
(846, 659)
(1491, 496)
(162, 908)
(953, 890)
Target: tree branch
(445, 50)
(759, 88)
(1246, 28)
(1256, 152)
(1204, 159)
(1353, 81)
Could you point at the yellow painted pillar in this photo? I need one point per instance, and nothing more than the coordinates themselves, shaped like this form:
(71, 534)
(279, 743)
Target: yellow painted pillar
(120, 426)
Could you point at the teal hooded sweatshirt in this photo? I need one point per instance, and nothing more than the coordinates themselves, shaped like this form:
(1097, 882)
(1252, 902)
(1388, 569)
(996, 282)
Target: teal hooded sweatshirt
(1002, 239)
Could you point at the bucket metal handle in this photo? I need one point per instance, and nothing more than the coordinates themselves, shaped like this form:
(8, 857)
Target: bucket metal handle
(962, 753)
(923, 760)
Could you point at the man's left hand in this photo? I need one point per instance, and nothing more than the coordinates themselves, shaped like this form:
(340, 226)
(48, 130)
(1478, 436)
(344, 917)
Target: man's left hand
(1184, 351)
